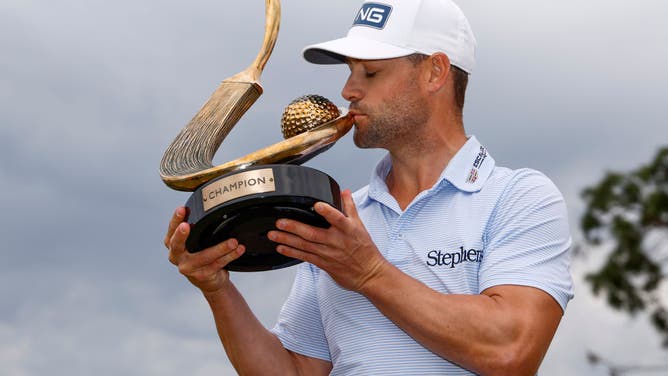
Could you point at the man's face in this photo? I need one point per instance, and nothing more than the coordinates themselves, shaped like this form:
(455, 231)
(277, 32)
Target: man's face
(386, 101)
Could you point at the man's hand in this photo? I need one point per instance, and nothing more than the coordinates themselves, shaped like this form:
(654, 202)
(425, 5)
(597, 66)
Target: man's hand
(203, 269)
(345, 250)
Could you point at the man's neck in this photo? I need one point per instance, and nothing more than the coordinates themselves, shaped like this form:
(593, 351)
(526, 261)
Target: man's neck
(417, 167)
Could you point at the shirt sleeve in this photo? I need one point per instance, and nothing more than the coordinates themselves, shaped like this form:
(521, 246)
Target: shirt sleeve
(528, 238)
(299, 325)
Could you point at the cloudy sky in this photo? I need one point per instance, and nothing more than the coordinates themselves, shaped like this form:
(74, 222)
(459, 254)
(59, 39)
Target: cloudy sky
(92, 92)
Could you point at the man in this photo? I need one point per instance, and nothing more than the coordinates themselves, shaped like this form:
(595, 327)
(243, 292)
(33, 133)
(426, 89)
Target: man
(443, 264)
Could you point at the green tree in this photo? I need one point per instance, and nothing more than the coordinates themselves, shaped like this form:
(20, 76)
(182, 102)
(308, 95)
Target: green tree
(629, 212)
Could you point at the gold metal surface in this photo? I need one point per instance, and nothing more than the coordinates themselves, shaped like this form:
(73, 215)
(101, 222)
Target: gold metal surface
(305, 113)
(193, 148)
(187, 162)
(238, 185)
(301, 144)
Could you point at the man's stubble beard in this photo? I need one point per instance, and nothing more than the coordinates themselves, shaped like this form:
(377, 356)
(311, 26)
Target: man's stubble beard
(400, 119)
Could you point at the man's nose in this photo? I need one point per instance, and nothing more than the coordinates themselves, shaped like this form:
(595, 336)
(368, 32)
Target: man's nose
(352, 91)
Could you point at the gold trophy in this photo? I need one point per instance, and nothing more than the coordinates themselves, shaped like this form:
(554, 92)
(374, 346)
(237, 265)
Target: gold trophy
(243, 198)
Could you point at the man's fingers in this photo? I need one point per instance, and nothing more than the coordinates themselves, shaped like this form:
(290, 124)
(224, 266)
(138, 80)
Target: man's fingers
(349, 207)
(294, 241)
(178, 217)
(200, 266)
(305, 232)
(211, 254)
(206, 257)
(177, 243)
(225, 259)
(299, 255)
(332, 215)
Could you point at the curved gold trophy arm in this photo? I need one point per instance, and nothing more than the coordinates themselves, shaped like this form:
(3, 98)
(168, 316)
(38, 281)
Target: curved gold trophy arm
(297, 147)
(187, 162)
(194, 147)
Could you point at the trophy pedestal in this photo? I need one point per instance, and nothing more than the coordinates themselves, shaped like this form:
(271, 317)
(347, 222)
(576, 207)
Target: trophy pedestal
(245, 205)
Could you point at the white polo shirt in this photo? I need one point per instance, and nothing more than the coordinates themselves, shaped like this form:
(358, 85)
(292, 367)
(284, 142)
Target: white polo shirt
(479, 226)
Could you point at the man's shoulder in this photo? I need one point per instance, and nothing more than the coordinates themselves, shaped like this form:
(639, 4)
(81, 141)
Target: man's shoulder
(523, 191)
(519, 180)
(516, 190)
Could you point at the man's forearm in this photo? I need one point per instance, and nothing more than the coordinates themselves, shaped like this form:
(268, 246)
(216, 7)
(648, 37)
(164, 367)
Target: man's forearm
(486, 333)
(252, 349)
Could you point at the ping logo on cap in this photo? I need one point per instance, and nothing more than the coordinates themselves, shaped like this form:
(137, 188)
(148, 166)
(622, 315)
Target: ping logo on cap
(373, 14)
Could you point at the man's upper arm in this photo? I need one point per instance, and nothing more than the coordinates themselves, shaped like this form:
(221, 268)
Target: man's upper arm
(528, 239)
(308, 366)
(530, 314)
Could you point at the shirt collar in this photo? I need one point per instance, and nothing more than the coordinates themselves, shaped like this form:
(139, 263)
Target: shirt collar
(468, 170)
(377, 187)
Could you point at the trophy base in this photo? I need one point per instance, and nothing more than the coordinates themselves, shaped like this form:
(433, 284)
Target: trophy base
(245, 205)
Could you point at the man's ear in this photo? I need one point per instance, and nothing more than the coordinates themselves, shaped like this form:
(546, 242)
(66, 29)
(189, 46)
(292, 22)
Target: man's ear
(439, 70)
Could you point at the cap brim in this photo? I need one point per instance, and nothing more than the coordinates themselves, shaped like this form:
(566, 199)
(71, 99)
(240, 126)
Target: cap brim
(336, 51)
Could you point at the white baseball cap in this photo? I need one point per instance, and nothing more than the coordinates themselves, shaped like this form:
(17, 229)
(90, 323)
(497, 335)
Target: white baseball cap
(386, 29)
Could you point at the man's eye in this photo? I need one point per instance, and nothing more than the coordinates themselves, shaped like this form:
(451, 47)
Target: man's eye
(370, 74)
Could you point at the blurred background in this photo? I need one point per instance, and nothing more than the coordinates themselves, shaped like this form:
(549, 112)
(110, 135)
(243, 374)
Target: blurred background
(92, 92)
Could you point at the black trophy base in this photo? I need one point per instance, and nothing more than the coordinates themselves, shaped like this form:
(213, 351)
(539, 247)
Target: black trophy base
(245, 205)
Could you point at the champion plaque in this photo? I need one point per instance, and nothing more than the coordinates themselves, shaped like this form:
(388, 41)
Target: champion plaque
(243, 198)
(245, 205)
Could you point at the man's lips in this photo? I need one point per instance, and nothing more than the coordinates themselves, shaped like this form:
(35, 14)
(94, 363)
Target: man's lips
(356, 113)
